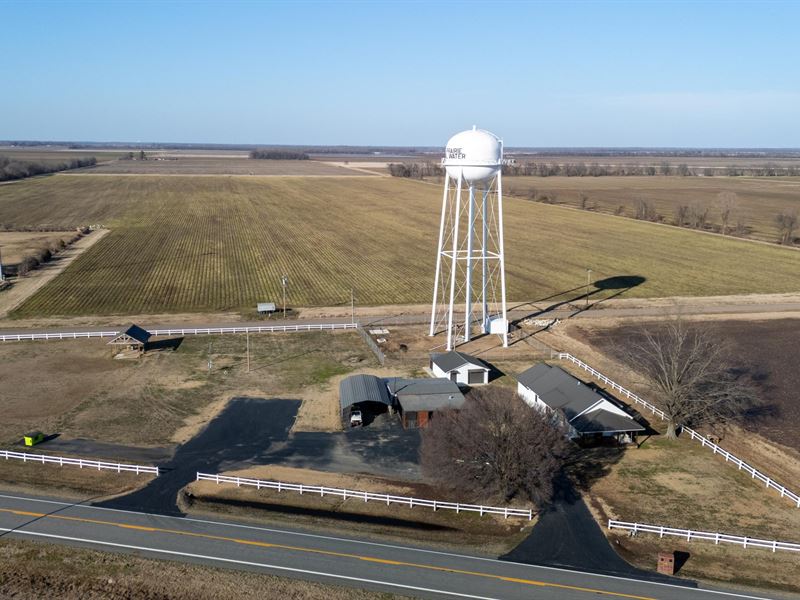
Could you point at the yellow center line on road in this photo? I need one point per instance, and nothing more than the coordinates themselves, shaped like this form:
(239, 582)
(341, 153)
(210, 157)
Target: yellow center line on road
(383, 561)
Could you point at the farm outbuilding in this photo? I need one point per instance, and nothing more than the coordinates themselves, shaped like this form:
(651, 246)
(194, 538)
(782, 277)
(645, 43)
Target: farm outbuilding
(366, 393)
(265, 308)
(589, 414)
(460, 368)
(419, 399)
(134, 338)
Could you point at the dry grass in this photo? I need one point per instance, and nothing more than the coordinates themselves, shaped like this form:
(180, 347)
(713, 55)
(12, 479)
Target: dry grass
(70, 482)
(164, 397)
(29, 571)
(758, 199)
(222, 243)
(680, 484)
(489, 534)
(16, 245)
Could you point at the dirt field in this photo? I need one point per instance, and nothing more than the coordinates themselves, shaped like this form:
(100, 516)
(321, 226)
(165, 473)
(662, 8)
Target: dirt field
(759, 200)
(166, 396)
(31, 571)
(768, 351)
(222, 244)
(194, 165)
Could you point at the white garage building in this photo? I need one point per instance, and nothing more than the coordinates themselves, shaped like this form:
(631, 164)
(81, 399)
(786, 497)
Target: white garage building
(460, 368)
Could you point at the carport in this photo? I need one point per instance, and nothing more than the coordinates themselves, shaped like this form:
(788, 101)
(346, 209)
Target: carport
(366, 393)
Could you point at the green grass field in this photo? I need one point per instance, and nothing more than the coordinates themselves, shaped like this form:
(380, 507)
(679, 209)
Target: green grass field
(222, 243)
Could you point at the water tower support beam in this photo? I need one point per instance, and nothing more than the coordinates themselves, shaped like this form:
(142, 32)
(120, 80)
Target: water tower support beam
(454, 269)
(484, 305)
(440, 249)
(470, 236)
(502, 253)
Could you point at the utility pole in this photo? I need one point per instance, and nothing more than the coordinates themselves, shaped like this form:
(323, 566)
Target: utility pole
(284, 282)
(247, 337)
(2, 277)
(352, 306)
(210, 362)
(588, 283)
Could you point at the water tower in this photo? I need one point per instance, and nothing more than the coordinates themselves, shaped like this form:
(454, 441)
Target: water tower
(470, 237)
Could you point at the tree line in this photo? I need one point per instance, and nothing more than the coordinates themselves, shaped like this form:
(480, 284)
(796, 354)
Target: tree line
(12, 168)
(419, 170)
(264, 154)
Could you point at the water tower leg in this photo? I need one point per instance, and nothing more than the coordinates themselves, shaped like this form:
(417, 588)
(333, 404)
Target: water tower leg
(502, 253)
(484, 224)
(470, 235)
(454, 258)
(439, 255)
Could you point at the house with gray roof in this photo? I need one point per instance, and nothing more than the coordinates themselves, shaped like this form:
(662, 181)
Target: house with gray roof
(589, 414)
(419, 399)
(460, 368)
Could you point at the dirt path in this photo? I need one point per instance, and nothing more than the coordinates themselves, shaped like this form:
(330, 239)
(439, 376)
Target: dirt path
(24, 287)
(746, 306)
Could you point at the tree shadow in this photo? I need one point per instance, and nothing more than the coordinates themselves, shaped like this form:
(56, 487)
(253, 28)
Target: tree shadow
(619, 284)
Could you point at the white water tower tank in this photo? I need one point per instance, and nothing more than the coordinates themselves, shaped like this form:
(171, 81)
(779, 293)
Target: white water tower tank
(476, 154)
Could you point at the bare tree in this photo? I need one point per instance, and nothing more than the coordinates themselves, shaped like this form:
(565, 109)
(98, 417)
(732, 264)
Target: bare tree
(698, 215)
(681, 214)
(726, 203)
(644, 210)
(690, 374)
(787, 222)
(495, 446)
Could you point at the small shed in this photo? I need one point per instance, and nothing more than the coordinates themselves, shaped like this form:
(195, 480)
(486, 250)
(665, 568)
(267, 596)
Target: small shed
(419, 399)
(133, 338)
(460, 368)
(266, 308)
(366, 393)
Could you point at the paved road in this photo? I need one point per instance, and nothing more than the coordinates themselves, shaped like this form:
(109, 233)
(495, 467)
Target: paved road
(393, 568)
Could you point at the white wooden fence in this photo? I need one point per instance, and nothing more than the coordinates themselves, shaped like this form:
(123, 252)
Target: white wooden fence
(78, 462)
(366, 496)
(704, 441)
(717, 538)
(71, 335)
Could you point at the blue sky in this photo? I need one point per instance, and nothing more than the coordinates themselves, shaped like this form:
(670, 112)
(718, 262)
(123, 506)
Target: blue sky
(707, 74)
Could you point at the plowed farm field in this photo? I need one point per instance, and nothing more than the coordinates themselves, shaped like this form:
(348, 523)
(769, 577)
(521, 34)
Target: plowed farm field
(182, 244)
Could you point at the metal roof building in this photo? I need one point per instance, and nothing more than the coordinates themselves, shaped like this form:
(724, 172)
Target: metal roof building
(362, 388)
(420, 398)
(587, 411)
